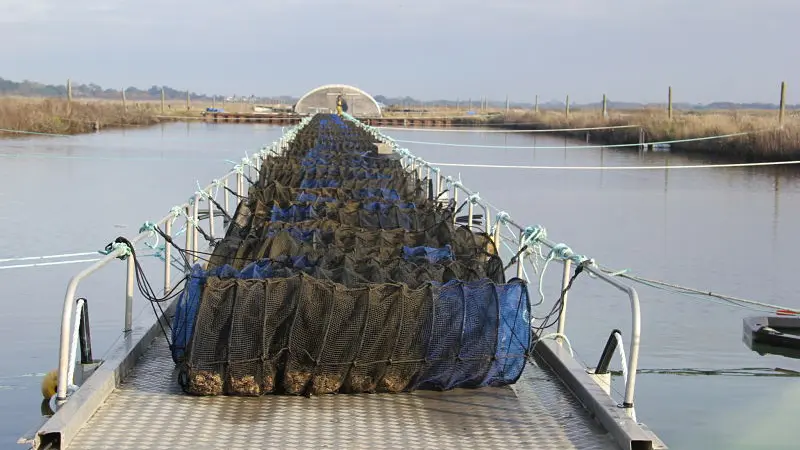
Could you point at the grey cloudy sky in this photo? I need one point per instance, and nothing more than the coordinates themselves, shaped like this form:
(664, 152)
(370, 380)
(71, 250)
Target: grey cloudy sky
(708, 50)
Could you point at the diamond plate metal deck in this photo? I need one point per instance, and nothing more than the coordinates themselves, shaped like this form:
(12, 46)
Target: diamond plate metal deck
(149, 411)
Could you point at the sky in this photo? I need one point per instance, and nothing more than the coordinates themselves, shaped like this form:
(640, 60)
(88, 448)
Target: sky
(631, 50)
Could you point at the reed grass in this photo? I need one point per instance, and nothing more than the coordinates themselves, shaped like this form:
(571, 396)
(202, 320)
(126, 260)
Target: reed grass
(57, 116)
(765, 141)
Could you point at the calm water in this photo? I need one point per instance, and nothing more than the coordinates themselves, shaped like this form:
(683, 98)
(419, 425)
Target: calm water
(726, 230)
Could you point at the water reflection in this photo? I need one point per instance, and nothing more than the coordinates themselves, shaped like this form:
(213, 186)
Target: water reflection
(718, 229)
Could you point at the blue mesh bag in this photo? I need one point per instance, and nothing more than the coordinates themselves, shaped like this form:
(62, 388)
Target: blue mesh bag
(442, 348)
(478, 336)
(430, 254)
(186, 312)
(294, 213)
(513, 335)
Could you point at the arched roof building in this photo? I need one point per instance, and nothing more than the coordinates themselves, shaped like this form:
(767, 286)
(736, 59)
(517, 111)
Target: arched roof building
(323, 99)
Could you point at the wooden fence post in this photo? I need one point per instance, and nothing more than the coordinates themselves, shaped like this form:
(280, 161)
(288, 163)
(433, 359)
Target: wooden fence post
(566, 111)
(669, 103)
(162, 99)
(782, 109)
(69, 96)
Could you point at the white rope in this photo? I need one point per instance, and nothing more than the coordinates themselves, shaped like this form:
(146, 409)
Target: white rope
(54, 263)
(561, 147)
(690, 166)
(495, 130)
(32, 258)
(705, 295)
(555, 336)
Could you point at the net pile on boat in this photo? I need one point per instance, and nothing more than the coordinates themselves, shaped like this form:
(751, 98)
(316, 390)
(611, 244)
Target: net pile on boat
(338, 274)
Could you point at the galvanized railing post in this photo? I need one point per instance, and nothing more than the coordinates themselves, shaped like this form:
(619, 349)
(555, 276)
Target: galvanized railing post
(470, 210)
(455, 199)
(129, 295)
(225, 201)
(195, 233)
(210, 218)
(167, 258)
(496, 236)
(487, 219)
(520, 260)
(428, 185)
(189, 230)
(562, 315)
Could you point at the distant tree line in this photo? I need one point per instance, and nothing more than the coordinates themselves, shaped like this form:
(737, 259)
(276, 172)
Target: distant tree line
(34, 89)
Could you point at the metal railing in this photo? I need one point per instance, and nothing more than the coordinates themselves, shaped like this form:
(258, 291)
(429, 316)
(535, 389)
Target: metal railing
(190, 212)
(191, 219)
(418, 164)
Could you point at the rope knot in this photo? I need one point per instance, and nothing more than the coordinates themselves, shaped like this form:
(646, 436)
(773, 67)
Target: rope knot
(151, 227)
(201, 192)
(177, 211)
(533, 235)
(159, 252)
(118, 244)
(502, 217)
(562, 251)
(148, 226)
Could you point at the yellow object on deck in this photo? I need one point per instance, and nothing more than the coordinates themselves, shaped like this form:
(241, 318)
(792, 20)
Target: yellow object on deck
(50, 384)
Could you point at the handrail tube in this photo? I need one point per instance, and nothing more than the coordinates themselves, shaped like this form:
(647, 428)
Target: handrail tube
(195, 233)
(210, 217)
(72, 287)
(636, 326)
(167, 258)
(520, 260)
(562, 315)
(226, 202)
(131, 276)
(66, 315)
(189, 230)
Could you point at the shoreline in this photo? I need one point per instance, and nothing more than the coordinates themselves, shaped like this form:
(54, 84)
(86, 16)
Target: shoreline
(764, 143)
(45, 116)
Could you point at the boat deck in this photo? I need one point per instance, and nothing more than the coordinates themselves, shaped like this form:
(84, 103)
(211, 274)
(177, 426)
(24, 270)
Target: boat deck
(149, 411)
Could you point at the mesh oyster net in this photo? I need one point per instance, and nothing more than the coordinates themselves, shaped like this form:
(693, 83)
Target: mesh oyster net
(341, 271)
